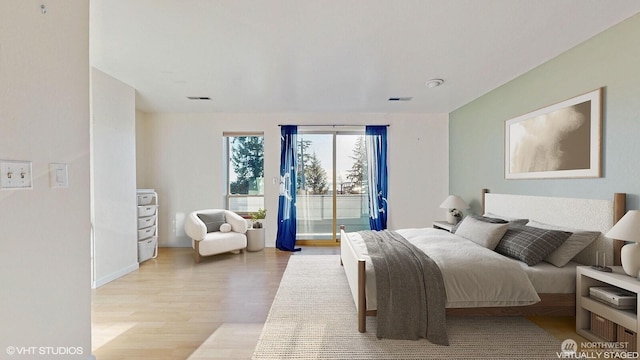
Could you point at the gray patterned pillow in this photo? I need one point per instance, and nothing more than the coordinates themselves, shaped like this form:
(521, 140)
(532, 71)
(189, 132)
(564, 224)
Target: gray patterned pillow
(577, 242)
(213, 220)
(529, 244)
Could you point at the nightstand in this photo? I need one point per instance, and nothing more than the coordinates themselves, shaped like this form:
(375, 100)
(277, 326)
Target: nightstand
(443, 225)
(622, 325)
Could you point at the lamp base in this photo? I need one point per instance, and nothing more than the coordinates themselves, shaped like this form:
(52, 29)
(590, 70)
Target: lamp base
(630, 259)
(451, 219)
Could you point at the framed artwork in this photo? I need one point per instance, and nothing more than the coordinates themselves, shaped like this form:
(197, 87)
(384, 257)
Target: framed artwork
(563, 140)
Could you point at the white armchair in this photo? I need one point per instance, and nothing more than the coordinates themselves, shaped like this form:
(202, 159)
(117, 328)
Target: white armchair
(215, 231)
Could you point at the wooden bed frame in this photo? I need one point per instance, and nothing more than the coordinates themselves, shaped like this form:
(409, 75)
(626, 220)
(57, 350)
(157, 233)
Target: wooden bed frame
(550, 304)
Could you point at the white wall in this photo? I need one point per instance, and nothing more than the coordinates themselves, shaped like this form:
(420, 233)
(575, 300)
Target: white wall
(184, 162)
(44, 232)
(143, 139)
(113, 152)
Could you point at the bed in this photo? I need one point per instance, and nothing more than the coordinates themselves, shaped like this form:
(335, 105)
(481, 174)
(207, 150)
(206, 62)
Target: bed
(553, 287)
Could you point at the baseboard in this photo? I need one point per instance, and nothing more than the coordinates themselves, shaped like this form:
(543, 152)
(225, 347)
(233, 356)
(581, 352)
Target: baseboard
(120, 273)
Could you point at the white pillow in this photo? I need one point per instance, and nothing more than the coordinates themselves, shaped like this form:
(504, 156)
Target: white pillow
(226, 227)
(482, 233)
(577, 242)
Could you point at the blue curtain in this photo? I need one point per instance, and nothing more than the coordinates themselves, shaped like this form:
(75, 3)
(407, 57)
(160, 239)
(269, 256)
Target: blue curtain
(376, 140)
(286, 238)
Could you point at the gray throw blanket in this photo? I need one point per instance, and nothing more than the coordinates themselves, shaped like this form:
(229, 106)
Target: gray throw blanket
(410, 290)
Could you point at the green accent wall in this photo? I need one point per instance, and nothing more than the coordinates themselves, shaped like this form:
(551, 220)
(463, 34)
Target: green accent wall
(610, 60)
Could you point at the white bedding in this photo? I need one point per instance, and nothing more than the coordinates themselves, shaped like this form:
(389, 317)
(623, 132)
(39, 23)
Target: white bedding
(549, 279)
(473, 275)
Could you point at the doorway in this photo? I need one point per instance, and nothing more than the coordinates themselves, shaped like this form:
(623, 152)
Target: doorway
(331, 185)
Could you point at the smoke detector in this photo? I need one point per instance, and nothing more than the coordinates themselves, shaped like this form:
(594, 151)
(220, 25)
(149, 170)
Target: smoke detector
(434, 83)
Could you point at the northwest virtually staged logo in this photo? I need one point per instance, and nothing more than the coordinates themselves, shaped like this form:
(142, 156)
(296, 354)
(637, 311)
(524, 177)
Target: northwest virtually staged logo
(596, 350)
(569, 347)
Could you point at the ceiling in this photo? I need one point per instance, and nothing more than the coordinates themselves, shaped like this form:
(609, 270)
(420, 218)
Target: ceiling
(333, 55)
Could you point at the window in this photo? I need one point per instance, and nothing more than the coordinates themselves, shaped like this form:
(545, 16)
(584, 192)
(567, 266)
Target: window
(245, 172)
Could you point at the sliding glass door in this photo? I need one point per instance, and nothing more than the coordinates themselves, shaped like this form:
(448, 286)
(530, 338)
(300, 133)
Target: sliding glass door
(332, 185)
(352, 200)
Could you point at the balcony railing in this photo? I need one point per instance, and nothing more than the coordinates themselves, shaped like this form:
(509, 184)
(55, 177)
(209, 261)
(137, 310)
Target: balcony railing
(315, 215)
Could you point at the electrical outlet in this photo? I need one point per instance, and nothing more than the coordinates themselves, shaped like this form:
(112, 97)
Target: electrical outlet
(15, 174)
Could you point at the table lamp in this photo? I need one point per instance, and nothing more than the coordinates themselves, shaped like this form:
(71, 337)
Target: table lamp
(628, 229)
(453, 202)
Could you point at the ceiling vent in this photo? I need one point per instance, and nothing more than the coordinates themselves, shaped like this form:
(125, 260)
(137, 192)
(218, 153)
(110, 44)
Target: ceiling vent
(198, 98)
(406, 98)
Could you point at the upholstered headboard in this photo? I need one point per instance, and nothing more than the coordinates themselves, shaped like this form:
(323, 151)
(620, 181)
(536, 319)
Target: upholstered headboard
(585, 214)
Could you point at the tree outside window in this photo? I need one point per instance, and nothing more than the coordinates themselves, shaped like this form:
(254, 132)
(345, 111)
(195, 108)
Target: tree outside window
(246, 173)
(358, 174)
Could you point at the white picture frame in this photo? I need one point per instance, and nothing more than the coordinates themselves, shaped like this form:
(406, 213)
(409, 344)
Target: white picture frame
(563, 140)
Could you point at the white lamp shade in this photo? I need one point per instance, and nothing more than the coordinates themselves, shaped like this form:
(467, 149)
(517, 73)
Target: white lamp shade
(454, 202)
(628, 229)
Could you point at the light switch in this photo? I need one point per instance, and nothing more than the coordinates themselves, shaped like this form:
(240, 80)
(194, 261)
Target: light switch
(15, 174)
(58, 176)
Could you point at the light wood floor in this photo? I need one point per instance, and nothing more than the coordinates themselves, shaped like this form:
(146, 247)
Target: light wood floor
(172, 308)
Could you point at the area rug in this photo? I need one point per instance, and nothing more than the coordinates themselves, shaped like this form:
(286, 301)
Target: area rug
(314, 316)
